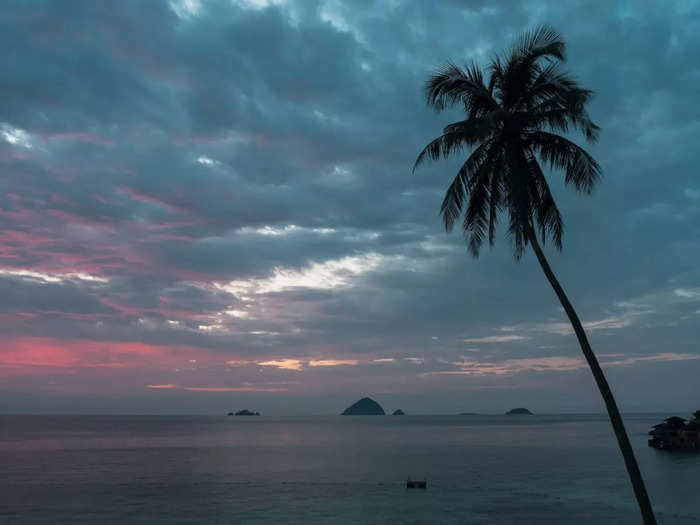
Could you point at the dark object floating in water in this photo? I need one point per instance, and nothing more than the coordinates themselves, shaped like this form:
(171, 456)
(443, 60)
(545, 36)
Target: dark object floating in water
(246, 412)
(398, 412)
(518, 412)
(676, 434)
(230, 414)
(468, 414)
(364, 407)
(416, 484)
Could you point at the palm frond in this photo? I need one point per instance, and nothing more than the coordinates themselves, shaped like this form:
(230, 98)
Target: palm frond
(556, 99)
(476, 218)
(455, 137)
(559, 119)
(496, 70)
(550, 81)
(546, 212)
(452, 85)
(517, 235)
(522, 66)
(441, 147)
(462, 185)
(543, 41)
(495, 199)
(474, 129)
(560, 153)
(521, 198)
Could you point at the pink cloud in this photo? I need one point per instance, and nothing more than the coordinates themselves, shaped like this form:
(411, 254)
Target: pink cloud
(333, 362)
(283, 364)
(35, 353)
(233, 389)
(143, 197)
(70, 218)
(245, 388)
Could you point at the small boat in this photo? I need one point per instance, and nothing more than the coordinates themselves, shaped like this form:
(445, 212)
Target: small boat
(416, 484)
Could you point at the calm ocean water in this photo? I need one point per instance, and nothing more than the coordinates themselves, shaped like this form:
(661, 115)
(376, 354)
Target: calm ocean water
(480, 469)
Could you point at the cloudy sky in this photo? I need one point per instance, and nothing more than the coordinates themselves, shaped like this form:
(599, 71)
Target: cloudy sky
(208, 205)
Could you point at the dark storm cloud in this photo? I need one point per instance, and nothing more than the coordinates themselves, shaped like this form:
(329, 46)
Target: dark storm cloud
(239, 175)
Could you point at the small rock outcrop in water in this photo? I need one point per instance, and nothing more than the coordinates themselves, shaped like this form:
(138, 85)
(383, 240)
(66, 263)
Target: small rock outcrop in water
(398, 412)
(364, 407)
(518, 412)
(246, 412)
(677, 433)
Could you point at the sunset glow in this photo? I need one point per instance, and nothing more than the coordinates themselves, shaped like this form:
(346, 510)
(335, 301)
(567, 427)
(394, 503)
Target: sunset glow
(206, 219)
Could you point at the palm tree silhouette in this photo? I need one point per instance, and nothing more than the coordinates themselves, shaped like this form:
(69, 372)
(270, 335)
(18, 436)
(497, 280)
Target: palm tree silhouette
(515, 110)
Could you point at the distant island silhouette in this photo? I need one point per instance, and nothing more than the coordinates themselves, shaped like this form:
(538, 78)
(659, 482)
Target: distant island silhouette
(398, 412)
(244, 412)
(675, 433)
(518, 412)
(364, 407)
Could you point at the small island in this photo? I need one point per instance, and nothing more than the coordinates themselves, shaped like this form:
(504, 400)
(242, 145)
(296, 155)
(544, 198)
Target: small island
(518, 412)
(398, 412)
(244, 412)
(364, 407)
(675, 433)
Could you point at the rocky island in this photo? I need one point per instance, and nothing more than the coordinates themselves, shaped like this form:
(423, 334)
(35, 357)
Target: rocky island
(398, 412)
(675, 433)
(364, 407)
(518, 412)
(244, 412)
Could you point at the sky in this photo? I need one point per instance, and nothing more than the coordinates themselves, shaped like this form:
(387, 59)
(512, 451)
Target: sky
(209, 205)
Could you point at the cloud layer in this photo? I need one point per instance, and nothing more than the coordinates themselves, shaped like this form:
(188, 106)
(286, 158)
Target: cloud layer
(216, 197)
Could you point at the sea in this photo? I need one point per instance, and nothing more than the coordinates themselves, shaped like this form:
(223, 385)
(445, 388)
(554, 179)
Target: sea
(542, 469)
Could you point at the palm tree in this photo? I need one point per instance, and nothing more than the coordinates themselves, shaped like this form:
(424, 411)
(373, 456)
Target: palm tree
(515, 112)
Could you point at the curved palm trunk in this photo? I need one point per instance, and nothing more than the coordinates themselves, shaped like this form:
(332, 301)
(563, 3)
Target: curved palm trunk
(623, 441)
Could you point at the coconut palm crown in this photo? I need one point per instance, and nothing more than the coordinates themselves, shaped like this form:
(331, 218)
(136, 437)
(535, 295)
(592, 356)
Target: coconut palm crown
(515, 111)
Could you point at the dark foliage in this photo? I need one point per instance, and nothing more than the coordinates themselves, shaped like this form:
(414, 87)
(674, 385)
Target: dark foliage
(515, 112)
